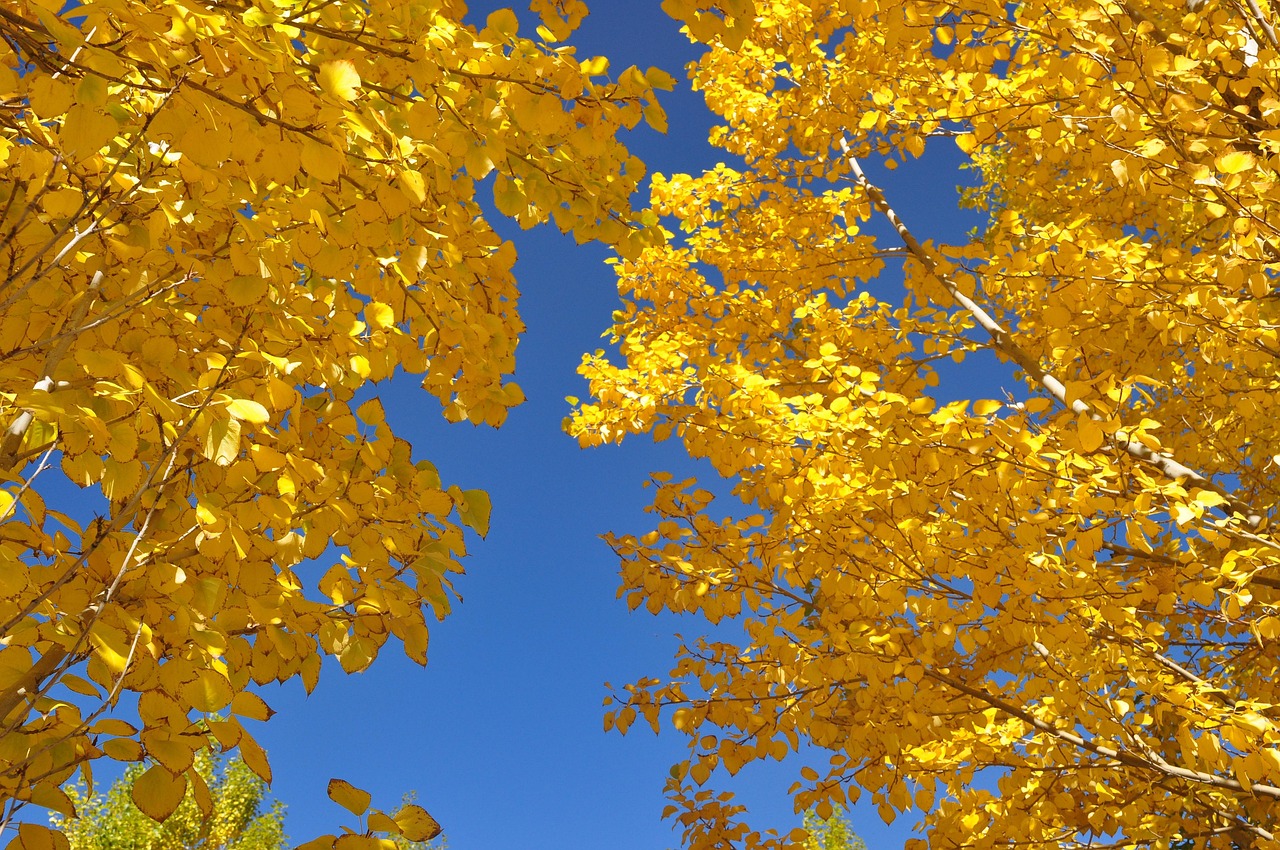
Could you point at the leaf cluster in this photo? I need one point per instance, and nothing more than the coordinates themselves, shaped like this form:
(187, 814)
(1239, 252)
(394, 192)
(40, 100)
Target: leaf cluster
(1000, 545)
(220, 226)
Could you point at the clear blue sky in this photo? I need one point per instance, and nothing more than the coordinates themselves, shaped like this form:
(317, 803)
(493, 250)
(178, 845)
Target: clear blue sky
(501, 735)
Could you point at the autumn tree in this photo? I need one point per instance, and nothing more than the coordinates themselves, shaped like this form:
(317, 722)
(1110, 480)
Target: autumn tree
(1001, 550)
(236, 820)
(219, 221)
(832, 833)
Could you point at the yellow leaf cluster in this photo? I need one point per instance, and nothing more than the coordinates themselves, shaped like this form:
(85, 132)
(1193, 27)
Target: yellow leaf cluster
(219, 223)
(1034, 596)
(410, 823)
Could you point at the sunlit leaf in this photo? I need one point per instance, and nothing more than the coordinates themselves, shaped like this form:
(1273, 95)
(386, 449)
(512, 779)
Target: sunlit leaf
(348, 796)
(157, 792)
(338, 77)
(416, 824)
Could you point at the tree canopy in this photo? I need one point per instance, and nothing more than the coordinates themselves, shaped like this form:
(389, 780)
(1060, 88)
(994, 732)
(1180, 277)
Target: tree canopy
(218, 223)
(235, 818)
(1001, 549)
(833, 833)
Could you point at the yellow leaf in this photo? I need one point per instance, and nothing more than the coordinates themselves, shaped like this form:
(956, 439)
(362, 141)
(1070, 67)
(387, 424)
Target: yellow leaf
(503, 22)
(1234, 162)
(986, 406)
(474, 511)
(123, 749)
(322, 162)
(80, 686)
(120, 480)
(357, 841)
(1184, 515)
(339, 78)
(227, 733)
(51, 97)
(208, 692)
(371, 412)
(170, 750)
(249, 410)
(50, 796)
(379, 315)
(256, 17)
(32, 836)
(700, 773)
(68, 37)
(157, 792)
(246, 289)
(660, 79)
(222, 441)
(253, 756)
(380, 822)
(348, 796)
(1091, 435)
(112, 726)
(413, 184)
(655, 117)
(200, 794)
(477, 161)
(324, 842)
(87, 129)
(416, 824)
(507, 196)
(111, 646)
(250, 705)
(357, 655)
(1209, 498)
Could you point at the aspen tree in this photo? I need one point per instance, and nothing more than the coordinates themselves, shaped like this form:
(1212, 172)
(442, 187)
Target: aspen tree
(218, 222)
(1030, 598)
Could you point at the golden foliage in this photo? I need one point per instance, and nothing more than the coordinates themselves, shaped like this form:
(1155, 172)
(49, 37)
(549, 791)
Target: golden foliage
(218, 221)
(1044, 617)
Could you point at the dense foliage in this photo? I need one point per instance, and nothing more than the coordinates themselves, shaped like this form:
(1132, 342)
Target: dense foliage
(236, 818)
(218, 222)
(1033, 596)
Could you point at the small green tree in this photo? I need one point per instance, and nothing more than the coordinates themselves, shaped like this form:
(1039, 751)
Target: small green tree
(232, 816)
(833, 833)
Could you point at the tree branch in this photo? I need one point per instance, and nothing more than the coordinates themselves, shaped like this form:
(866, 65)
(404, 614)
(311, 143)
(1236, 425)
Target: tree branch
(1128, 759)
(1005, 344)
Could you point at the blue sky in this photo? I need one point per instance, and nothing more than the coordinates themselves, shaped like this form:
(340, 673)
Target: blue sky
(501, 735)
